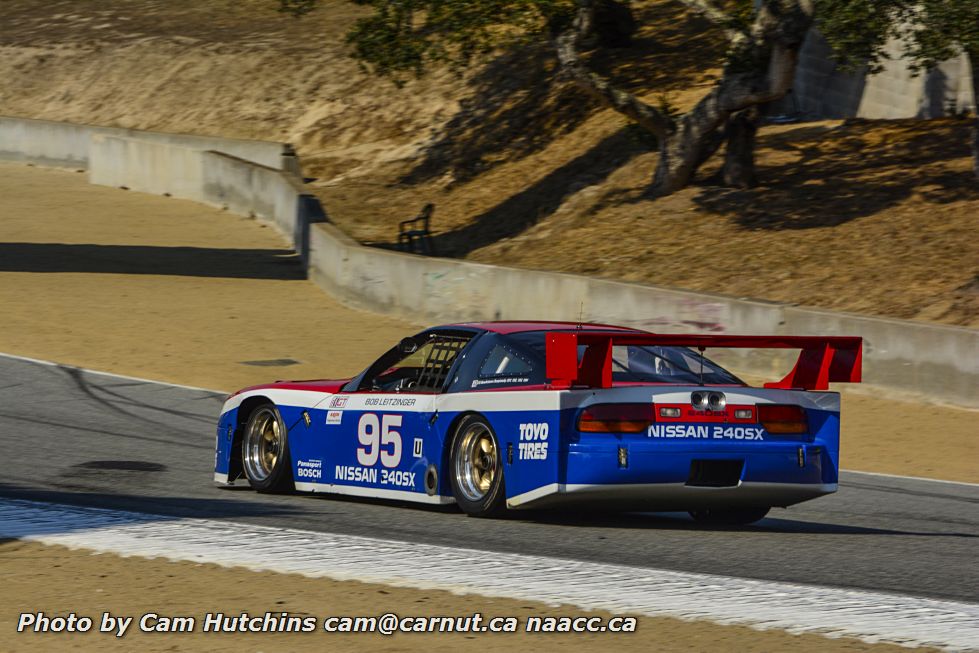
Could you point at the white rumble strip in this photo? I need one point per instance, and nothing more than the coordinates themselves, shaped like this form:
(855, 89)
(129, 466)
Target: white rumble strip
(870, 616)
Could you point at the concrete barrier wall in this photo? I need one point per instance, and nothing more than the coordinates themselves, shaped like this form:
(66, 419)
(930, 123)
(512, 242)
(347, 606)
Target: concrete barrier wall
(46, 143)
(68, 145)
(936, 362)
(251, 189)
(146, 166)
(939, 362)
(214, 178)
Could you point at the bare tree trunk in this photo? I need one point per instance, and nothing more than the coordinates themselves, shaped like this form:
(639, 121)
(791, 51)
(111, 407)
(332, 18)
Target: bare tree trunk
(975, 145)
(739, 155)
(761, 69)
(974, 61)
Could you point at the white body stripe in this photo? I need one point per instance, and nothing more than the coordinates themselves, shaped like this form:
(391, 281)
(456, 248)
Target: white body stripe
(279, 396)
(494, 401)
(480, 401)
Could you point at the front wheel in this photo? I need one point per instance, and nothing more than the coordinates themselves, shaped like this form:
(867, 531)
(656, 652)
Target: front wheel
(729, 516)
(477, 468)
(265, 451)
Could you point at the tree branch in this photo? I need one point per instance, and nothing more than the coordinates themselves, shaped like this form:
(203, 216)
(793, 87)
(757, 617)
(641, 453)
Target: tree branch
(716, 15)
(566, 45)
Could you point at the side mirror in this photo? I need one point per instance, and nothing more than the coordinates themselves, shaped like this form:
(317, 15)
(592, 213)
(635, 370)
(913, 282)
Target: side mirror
(407, 346)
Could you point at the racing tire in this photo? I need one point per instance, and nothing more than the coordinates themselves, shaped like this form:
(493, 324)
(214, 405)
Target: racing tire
(265, 451)
(729, 516)
(476, 468)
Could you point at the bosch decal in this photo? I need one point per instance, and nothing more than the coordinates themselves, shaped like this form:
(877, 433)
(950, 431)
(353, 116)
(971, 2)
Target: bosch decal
(309, 469)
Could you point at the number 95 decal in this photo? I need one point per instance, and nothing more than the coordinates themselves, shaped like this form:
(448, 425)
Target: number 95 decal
(378, 439)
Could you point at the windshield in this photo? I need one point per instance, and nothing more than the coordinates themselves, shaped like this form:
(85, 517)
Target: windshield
(648, 364)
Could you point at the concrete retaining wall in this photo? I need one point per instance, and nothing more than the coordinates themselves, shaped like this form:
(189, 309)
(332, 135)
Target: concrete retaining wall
(250, 189)
(146, 166)
(68, 145)
(214, 178)
(936, 362)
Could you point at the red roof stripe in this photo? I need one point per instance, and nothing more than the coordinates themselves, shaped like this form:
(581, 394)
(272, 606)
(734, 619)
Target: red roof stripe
(517, 326)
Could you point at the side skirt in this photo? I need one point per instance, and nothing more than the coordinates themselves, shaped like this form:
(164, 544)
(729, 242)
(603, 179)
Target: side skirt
(374, 493)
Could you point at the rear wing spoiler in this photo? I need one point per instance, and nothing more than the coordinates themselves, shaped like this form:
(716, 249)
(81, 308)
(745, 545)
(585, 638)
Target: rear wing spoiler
(822, 359)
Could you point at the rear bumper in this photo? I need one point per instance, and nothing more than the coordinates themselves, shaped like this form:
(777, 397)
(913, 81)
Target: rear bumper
(645, 476)
(670, 496)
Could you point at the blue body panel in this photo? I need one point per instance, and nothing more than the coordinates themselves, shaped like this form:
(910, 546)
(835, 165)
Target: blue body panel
(328, 453)
(592, 458)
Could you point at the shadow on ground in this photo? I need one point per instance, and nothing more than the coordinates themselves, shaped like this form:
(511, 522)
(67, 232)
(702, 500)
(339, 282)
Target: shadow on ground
(674, 521)
(539, 200)
(280, 264)
(811, 180)
(143, 509)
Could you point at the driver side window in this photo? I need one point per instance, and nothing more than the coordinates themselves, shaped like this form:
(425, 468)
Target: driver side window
(404, 373)
(423, 370)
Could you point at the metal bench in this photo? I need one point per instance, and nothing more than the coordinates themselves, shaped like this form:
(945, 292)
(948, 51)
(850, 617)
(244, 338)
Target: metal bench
(414, 235)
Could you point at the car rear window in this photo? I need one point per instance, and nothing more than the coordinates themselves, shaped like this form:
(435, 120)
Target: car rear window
(647, 364)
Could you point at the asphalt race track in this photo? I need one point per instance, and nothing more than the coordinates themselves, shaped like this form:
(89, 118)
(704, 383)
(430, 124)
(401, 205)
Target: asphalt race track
(74, 437)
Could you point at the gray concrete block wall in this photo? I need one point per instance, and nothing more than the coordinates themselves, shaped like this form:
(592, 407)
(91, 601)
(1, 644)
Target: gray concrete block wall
(822, 90)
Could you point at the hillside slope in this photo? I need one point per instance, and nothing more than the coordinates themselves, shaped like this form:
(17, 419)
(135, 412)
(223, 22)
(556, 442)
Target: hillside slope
(870, 217)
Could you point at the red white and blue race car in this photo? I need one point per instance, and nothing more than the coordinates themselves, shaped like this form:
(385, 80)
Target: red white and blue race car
(497, 415)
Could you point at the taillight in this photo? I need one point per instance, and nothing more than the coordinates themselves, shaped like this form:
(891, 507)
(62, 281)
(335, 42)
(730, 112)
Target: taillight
(616, 418)
(783, 419)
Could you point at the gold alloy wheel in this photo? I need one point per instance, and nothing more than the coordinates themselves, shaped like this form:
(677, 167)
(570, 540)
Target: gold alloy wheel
(263, 444)
(476, 462)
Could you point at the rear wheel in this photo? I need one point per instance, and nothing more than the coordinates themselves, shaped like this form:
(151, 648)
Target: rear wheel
(729, 516)
(477, 468)
(265, 451)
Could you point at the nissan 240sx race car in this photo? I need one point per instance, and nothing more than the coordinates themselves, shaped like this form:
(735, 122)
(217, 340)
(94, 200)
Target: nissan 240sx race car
(533, 414)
